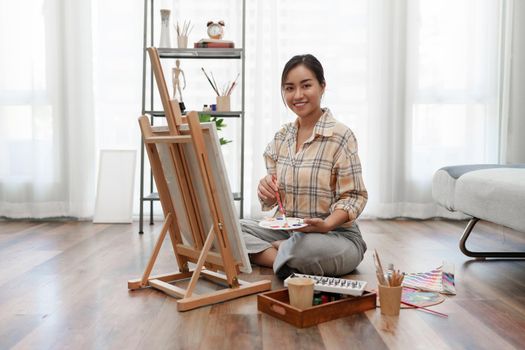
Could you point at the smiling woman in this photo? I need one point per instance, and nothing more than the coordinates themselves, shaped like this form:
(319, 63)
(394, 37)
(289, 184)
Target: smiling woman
(313, 165)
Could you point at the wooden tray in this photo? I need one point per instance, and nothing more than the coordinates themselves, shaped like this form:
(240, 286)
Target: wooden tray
(277, 304)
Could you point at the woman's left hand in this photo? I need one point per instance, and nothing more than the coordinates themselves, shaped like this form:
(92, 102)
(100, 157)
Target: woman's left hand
(315, 225)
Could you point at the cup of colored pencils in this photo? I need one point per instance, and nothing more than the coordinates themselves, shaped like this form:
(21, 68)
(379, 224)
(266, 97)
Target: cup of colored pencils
(390, 288)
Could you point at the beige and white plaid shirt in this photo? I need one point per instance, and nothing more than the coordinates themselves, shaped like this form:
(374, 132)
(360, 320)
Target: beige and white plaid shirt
(324, 175)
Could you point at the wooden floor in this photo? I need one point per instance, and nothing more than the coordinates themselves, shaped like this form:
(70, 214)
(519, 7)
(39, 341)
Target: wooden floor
(63, 285)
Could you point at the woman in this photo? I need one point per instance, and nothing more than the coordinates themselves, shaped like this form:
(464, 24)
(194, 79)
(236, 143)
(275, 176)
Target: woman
(313, 164)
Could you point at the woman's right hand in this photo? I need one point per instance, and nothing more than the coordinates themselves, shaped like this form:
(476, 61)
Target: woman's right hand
(267, 188)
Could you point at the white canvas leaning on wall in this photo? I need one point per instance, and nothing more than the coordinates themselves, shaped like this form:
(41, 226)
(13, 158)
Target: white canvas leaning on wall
(116, 177)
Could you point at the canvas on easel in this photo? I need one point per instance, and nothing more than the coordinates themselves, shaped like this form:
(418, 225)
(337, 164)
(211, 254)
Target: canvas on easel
(200, 216)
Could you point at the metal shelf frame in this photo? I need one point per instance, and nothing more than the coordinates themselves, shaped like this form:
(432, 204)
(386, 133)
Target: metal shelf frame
(201, 53)
(189, 53)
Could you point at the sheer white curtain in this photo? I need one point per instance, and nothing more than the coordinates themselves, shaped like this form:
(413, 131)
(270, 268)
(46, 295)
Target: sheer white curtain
(46, 119)
(417, 81)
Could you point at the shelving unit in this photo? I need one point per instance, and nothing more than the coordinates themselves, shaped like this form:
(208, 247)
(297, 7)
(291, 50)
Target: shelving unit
(150, 196)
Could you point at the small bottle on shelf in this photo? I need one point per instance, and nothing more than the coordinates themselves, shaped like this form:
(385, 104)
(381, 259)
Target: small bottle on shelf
(205, 116)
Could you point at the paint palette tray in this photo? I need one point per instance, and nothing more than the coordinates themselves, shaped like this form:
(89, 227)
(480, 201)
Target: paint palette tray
(281, 223)
(277, 304)
(333, 285)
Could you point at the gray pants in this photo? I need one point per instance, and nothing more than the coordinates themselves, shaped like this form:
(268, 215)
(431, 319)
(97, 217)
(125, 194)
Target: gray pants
(335, 253)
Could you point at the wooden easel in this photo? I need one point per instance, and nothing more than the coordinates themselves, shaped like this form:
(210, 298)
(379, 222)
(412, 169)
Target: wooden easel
(208, 262)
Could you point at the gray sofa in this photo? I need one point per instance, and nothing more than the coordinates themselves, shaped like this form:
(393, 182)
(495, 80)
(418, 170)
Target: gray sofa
(489, 192)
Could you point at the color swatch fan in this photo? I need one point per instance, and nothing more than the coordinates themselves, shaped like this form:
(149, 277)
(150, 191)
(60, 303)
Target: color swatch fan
(439, 280)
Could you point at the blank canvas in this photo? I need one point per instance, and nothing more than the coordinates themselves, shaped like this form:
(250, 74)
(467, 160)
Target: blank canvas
(116, 176)
(224, 193)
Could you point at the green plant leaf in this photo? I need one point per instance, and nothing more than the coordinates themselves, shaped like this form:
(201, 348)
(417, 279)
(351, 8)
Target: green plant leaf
(223, 141)
(204, 118)
(219, 124)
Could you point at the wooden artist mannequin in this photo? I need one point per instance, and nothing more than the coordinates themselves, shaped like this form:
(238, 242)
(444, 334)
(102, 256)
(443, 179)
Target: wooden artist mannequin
(175, 73)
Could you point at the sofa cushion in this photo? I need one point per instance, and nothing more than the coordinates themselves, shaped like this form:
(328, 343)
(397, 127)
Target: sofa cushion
(444, 180)
(496, 195)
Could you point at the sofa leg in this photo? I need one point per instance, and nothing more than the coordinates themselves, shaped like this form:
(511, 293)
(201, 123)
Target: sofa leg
(483, 255)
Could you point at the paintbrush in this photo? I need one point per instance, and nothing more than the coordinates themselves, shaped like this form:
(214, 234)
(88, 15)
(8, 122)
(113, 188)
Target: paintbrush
(422, 308)
(209, 80)
(280, 205)
(214, 82)
(379, 270)
(231, 88)
(281, 208)
(233, 84)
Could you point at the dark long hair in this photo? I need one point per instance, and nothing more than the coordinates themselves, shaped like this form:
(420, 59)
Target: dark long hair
(310, 62)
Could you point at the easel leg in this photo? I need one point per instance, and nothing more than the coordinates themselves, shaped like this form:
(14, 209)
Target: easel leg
(200, 263)
(158, 244)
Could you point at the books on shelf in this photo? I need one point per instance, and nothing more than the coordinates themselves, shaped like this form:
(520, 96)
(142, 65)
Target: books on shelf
(214, 43)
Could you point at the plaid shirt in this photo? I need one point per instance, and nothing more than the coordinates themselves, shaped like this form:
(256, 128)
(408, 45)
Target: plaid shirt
(324, 175)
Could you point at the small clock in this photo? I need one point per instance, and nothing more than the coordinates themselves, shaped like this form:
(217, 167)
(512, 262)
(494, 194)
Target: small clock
(215, 30)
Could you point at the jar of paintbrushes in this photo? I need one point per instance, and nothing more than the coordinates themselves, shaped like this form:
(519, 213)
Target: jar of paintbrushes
(224, 93)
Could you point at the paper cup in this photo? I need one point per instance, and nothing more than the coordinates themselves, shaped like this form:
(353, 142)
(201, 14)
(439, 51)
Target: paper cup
(223, 103)
(301, 292)
(390, 300)
(182, 42)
